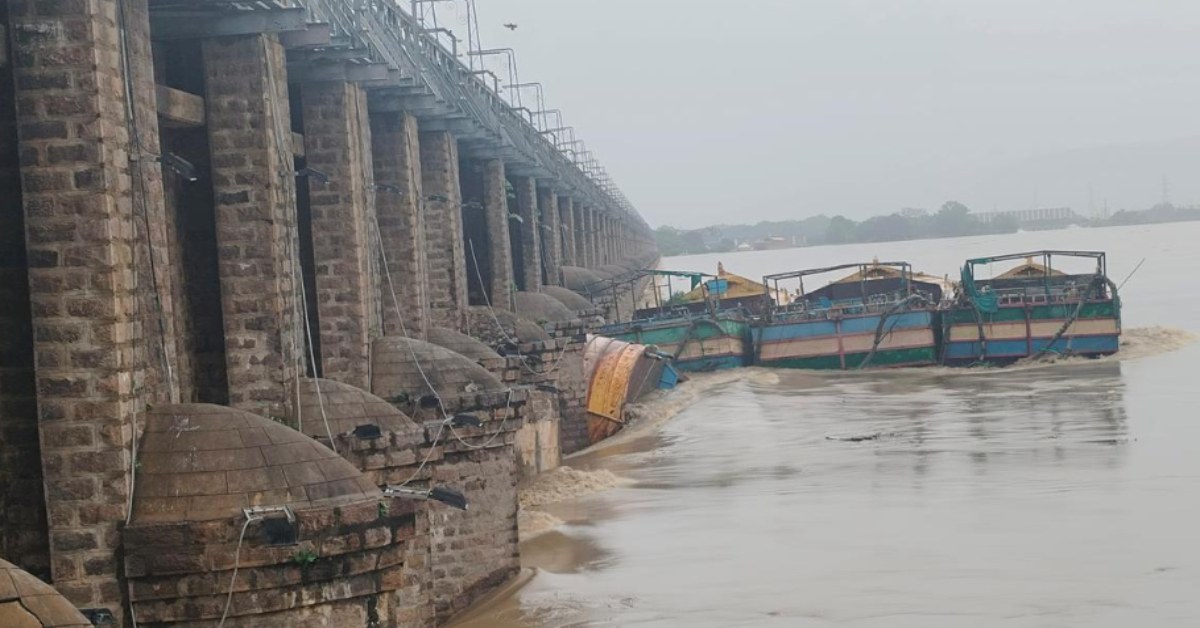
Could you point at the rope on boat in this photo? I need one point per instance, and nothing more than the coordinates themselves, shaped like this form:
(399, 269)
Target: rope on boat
(879, 334)
(982, 337)
(1071, 320)
(687, 336)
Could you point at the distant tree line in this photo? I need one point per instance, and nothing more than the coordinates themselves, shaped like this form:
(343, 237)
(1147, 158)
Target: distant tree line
(953, 219)
(1163, 212)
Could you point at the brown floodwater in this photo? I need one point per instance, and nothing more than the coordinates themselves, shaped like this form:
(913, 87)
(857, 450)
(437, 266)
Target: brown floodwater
(1057, 495)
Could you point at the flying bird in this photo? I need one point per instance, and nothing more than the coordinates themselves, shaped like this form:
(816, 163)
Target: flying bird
(510, 26)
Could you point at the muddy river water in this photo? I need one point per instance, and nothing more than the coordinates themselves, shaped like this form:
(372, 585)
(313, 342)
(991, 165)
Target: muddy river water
(1059, 495)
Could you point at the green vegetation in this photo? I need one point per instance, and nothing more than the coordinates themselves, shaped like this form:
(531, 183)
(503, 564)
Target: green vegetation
(1163, 212)
(951, 220)
(304, 557)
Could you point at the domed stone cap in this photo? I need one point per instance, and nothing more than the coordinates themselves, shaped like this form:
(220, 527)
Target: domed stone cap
(26, 602)
(460, 343)
(347, 408)
(542, 307)
(529, 331)
(613, 270)
(396, 376)
(573, 301)
(505, 328)
(601, 272)
(578, 279)
(203, 462)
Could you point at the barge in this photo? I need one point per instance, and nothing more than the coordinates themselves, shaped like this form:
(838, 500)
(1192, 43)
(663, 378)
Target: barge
(1032, 310)
(704, 329)
(882, 315)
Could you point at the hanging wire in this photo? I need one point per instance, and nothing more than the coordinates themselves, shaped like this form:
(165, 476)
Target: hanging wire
(500, 327)
(446, 418)
(499, 428)
(237, 557)
(299, 296)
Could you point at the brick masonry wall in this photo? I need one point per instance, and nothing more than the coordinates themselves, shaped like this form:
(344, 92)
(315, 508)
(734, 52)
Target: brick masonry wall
(467, 553)
(91, 228)
(23, 536)
(567, 230)
(253, 182)
(475, 551)
(571, 381)
(179, 573)
(550, 236)
(531, 232)
(396, 156)
(346, 292)
(538, 440)
(445, 262)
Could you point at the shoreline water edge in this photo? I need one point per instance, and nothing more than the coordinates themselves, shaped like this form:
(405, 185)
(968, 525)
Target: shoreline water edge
(584, 474)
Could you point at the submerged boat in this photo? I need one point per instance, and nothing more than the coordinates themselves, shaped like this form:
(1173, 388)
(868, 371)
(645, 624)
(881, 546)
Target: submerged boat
(882, 315)
(1033, 309)
(704, 329)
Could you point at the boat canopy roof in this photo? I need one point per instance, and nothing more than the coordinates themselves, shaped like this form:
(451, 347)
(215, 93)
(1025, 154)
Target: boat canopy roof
(1045, 255)
(1030, 269)
(899, 268)
(725, 285)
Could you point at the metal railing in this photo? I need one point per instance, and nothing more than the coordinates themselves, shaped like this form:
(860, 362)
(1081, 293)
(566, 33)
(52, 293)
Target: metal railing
(390, 34)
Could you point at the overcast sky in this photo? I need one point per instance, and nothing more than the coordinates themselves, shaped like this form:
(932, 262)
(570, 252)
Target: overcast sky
(707, 112)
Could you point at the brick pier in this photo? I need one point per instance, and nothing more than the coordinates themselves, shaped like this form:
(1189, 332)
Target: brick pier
(199, 202)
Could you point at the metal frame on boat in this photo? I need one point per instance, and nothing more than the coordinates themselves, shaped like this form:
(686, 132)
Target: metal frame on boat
(890, 320)
(1032, 310)
(701, 338)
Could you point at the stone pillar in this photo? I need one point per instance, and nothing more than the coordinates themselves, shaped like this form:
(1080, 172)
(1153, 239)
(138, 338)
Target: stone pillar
(396, 156)
(531, 237)
(250, 138)
(614, 240)
(486, 186)
(446, 264)
(567, 230)
(337, 137)
(93, 220)
(581, 236)
(605, 237)
(551, 237)
(495, 209)
(593, 237)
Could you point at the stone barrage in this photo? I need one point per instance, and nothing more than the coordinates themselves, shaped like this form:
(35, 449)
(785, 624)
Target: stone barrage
(248, 261)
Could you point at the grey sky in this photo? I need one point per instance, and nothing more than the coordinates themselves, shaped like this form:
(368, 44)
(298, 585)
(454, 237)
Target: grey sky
(708, 112)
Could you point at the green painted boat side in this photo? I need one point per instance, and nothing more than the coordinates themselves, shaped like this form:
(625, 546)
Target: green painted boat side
(669, 335)
(1106, 309)
(893, 357)
(673, 334)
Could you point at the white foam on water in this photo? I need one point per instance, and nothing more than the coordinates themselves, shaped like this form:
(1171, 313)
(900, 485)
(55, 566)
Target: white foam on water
(1142, 342)
(532, 523)
(565, 484)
